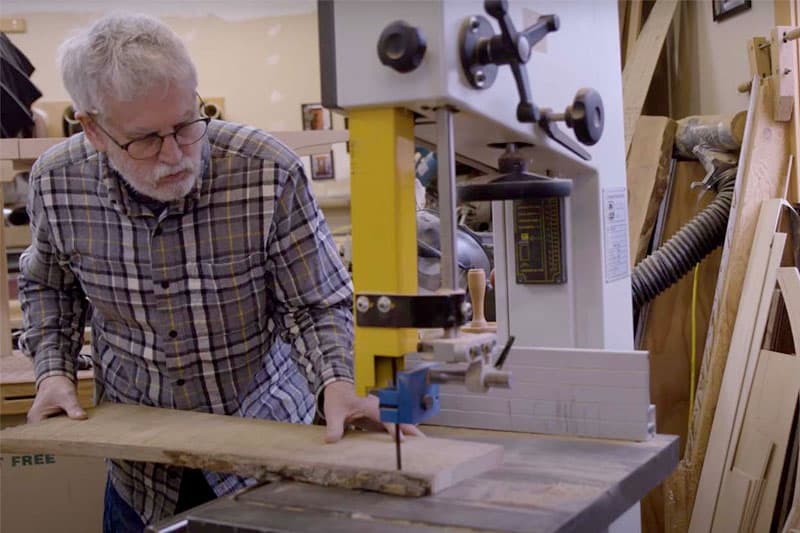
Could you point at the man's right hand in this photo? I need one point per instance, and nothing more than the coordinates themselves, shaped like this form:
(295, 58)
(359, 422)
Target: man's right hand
(56, 395)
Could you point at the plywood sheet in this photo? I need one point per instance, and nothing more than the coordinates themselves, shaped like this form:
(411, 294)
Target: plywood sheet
(257, 448)
(668, 329)
(647, 175)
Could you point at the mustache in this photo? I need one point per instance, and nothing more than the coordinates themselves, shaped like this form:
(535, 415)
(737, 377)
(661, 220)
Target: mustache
(165, 170)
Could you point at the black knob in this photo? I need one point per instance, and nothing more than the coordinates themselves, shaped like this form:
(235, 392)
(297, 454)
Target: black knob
(401, 46)
(586, 116)
(496, 8)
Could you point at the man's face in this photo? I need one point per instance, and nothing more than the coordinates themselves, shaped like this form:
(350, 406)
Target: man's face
(173, 172)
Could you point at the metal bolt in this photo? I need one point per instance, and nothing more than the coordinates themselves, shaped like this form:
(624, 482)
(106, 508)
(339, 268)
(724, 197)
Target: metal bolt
(427, 401)
(480, 78)
(474, 24)
(362, 304)
(787, 71)
(384, 304)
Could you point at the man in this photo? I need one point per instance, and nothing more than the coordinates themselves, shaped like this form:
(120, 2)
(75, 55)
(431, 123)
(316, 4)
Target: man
(211, 278)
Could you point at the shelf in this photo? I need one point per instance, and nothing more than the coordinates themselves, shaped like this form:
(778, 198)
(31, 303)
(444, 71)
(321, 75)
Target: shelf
(311, 142)
(17, 237)
(302, 142)
(14, 314)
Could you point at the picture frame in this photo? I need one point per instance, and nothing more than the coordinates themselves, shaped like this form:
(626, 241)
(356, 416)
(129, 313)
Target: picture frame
(322, 166)
(315, 117)
(723, 9)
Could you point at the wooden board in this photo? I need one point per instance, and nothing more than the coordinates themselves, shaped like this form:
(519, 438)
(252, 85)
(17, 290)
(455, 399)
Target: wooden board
(794, 20)
(784, 74)
(301, 142)
(668, 331)
(761, 446)
(762, 163)
(634, 25)
(12, 25)
(793, 520)
(256, 448)
(641, 64)
(622, 11)
(758, 57)
(749, 328)
(667, 334)
(647, 174)
(9, 148)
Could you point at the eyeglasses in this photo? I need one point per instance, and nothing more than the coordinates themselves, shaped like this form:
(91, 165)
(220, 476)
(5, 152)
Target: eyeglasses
(150, 145)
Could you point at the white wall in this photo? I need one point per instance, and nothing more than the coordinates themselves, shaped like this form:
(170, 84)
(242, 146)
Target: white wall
(719, 57)
(260, 55)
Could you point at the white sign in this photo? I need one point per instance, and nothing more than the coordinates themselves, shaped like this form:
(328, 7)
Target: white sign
(615, 233)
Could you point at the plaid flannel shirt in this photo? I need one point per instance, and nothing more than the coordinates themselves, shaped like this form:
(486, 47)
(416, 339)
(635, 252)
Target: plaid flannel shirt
(232, 300)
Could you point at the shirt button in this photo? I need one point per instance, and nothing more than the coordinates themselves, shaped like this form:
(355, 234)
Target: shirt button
(180, 382)
(165, 284)
(173, 334)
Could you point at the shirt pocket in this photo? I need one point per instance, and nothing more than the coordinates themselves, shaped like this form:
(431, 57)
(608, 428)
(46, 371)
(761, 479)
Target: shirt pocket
(230, 298)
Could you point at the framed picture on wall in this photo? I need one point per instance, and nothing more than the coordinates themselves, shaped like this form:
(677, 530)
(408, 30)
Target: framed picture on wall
(322, 166)
(316, 117)
(725, 8)
(347, 127)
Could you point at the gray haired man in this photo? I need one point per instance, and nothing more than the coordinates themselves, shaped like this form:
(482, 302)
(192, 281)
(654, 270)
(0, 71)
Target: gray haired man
(197, 251)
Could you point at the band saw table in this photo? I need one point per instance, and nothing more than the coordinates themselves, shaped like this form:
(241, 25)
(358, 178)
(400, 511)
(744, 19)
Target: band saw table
(546, 484)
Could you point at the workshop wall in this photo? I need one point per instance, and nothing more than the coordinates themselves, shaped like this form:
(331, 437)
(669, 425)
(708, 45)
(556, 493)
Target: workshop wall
(262, 57)
(717, 55)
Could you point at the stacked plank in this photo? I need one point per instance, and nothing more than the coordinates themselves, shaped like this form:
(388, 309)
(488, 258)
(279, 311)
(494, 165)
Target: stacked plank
(762, 164)
(739, 483)
(743, 471)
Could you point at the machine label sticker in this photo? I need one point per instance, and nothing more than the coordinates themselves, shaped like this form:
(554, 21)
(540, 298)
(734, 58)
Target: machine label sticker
(615, 233)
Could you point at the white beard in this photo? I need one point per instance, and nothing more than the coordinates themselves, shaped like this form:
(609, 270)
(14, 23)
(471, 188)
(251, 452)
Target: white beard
(147, 184)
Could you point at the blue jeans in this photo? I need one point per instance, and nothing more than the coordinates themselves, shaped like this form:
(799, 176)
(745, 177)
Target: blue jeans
(118, 516)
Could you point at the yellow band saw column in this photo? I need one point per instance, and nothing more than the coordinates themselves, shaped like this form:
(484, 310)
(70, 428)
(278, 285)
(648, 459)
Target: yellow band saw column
(382, 211)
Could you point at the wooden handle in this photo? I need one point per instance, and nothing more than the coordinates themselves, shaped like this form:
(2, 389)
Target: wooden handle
(791, 35)
(476, 281)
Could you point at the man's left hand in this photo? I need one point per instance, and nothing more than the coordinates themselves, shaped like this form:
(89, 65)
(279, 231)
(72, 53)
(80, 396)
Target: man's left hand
(343, 406)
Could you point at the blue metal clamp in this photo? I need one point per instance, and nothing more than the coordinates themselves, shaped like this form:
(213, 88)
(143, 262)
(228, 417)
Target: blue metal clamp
(413, 399)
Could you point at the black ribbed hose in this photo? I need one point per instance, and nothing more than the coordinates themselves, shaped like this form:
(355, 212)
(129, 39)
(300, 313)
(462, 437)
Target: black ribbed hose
(695, 240)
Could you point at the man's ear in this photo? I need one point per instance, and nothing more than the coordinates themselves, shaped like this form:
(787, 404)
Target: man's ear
(95, 136)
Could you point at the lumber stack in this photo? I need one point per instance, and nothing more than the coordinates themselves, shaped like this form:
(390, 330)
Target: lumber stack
(747, 389)
(762, 170)
(751, 433)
